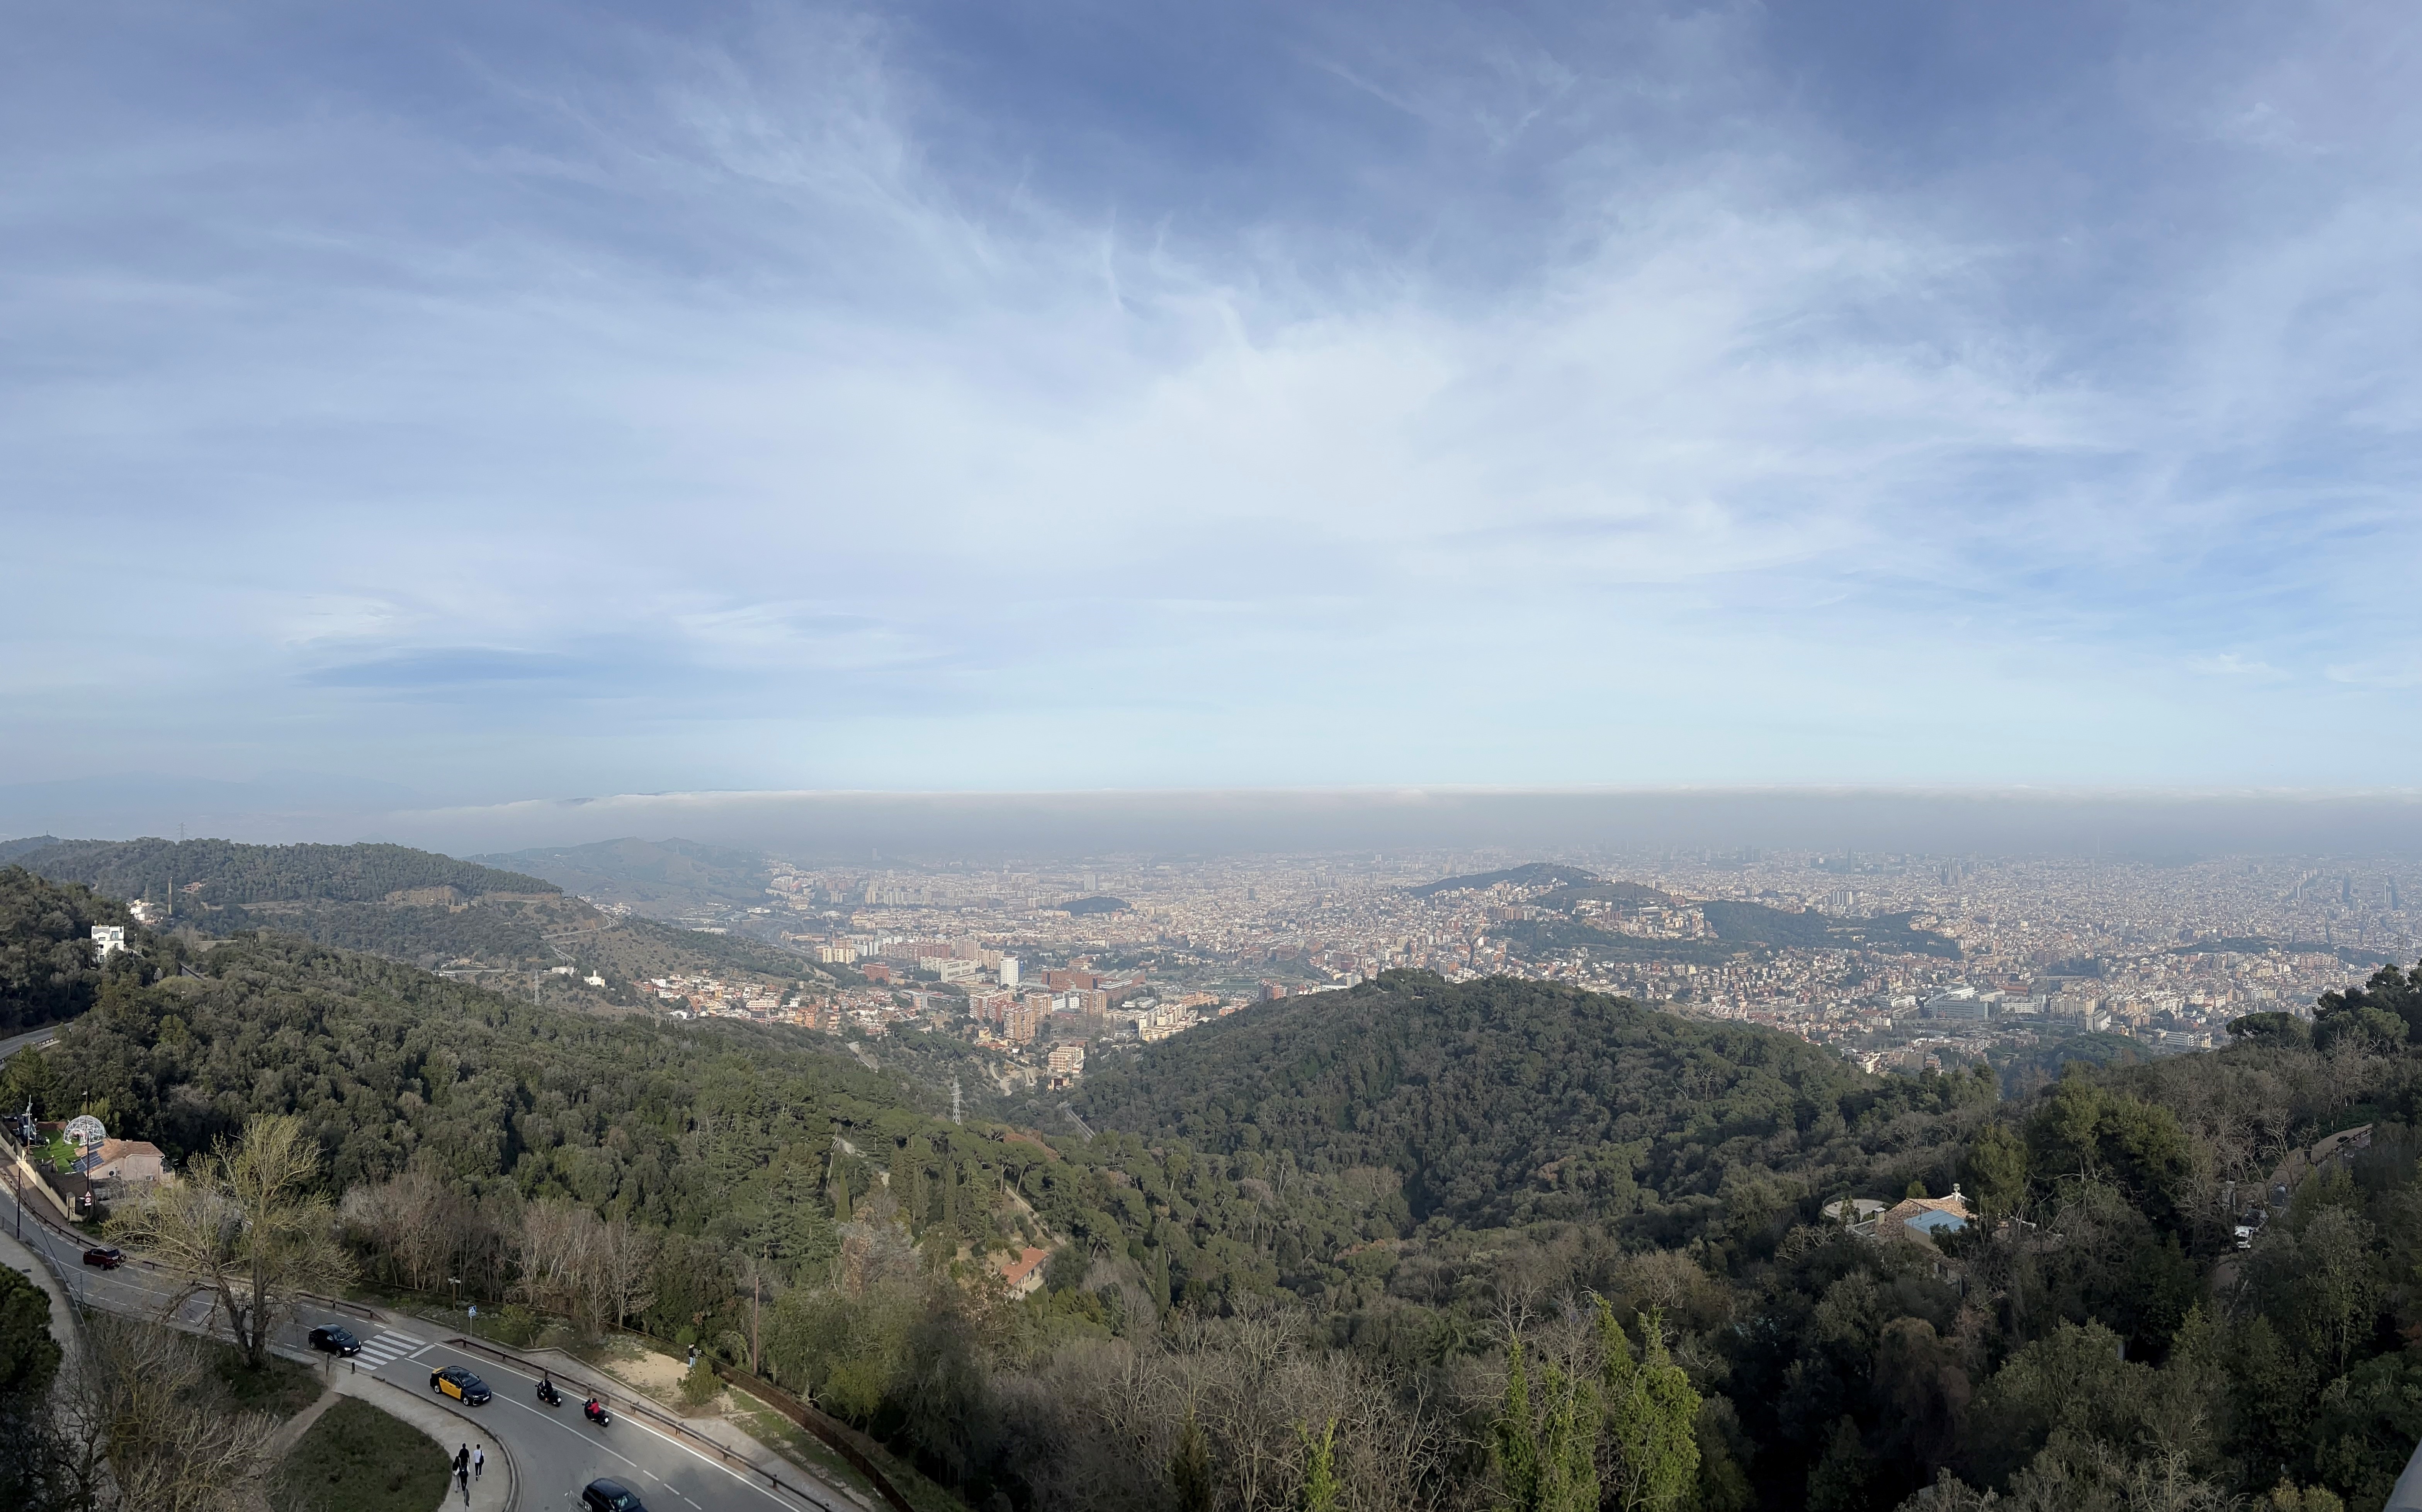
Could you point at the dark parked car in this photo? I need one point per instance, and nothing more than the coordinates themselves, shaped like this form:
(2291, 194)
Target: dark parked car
(460, 1384)
(106, 1259)
(608, 1496)
(335, 1340)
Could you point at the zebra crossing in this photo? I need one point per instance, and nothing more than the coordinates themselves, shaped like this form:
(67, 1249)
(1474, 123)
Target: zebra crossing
(389, 1347)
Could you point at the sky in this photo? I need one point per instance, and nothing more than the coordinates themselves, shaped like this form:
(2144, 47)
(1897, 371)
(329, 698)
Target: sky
(461, 404)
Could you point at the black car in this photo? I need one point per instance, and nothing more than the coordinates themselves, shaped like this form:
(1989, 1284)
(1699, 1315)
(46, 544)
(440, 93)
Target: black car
(335, 1340)
(608, 1496)
(460, 1384)
(107, 1259)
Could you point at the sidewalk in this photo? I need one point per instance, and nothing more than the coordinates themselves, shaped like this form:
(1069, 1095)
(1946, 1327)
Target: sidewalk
(22, 1257)
(493, 1491)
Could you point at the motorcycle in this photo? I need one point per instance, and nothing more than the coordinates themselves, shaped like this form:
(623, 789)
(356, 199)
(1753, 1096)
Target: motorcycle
(547, 1394)
(595, 1413)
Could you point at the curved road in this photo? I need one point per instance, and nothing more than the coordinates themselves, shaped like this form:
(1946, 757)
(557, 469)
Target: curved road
(554, 1451)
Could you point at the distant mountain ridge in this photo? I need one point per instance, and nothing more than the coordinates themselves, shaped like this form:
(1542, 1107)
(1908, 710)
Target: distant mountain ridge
(231, 871)
(418, 908)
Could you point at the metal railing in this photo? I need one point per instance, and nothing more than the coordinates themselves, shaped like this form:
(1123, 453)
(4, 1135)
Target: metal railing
(831, 1433)
(808, 1417)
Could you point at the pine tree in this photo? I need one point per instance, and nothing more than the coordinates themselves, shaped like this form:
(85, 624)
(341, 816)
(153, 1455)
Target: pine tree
(1516, 1439)
(1546, 1455)
(1320, 1489)
(1190, 1467)
(1652, 1416)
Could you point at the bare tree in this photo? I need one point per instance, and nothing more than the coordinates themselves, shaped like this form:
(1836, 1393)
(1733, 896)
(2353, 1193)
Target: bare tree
(415, 1222)
(247, 1226)
(138, 1430)
(1103, 1421)
(554, 1243)
(620, 1268)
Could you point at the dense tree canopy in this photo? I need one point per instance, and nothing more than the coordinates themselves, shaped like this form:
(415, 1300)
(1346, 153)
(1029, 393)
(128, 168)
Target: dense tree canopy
(1505, 1102)
(48, 969)
(229, 871)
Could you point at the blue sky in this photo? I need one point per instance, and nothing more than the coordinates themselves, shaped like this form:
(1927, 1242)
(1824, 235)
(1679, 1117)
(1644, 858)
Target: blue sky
(489, 403)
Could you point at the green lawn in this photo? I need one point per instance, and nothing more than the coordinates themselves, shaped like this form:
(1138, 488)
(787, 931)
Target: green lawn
(356, 1458)
(280, 1388)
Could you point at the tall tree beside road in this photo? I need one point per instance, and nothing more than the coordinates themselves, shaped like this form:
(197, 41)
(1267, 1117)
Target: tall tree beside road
(29, 1363)
(248, 1224)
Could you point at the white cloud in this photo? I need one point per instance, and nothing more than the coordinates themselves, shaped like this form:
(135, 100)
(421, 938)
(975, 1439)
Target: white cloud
(706, 376)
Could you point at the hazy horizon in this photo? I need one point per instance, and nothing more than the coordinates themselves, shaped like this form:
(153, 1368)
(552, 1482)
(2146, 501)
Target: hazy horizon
(916, 828)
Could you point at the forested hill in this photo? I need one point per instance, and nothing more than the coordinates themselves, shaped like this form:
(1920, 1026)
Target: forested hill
(1530, 875)
(415, 906)
(1498, 1101)
(229, 871)
(1756, 923)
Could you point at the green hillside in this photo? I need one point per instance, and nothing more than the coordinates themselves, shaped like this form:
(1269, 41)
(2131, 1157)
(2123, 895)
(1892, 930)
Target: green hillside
(48, 969)
(222, 872)
(1756, 923)
(414, 906)
(1547, 935)
(1496, 1102)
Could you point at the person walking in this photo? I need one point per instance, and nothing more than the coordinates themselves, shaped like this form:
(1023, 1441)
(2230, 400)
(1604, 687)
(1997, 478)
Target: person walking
(462, 1476)
(479, 1461)
(461, 1458)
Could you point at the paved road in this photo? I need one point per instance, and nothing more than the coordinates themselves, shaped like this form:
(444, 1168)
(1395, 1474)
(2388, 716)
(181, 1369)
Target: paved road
(556, 1450)
(33, 1036)
(559, 1451)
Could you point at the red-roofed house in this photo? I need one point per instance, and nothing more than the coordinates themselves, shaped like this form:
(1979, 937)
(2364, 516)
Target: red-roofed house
(1025, 1273)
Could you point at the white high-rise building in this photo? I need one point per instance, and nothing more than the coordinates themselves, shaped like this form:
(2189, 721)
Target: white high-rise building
(1009, 971)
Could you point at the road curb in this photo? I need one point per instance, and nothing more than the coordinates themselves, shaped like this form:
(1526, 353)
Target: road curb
(356, 1384)
(635, 1407)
